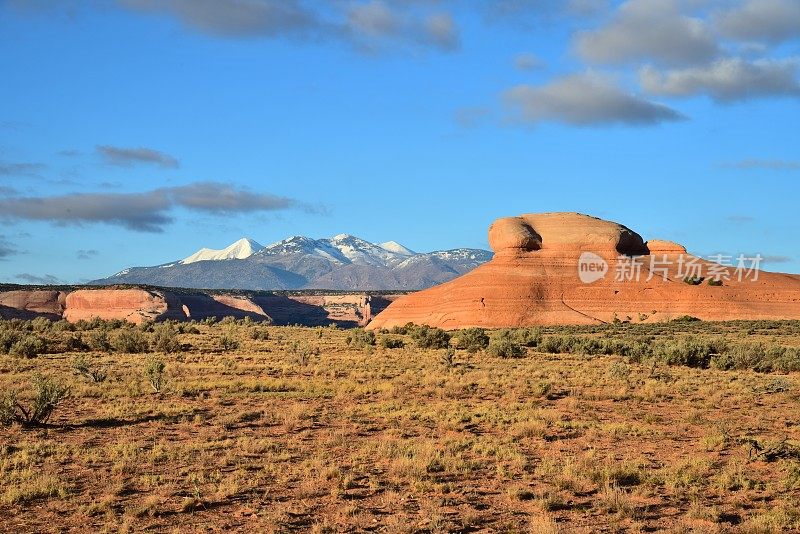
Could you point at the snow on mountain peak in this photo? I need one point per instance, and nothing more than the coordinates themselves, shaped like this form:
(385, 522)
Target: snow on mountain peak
(239, 250)
(397, 248)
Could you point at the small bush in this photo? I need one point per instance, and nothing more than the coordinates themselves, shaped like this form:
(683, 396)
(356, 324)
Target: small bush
(40, 324)
(258, 334)
(360, 338)
(81, 366)
(392, 342)
(99, 341)
(154, 372)
(227, 342)
(75, 343)
(403, 330)
(130, 341)
(7, 340)
(472, 340)
(693, 280)
(689, 352)
(686, 319)
(62, 326)
(505, 346)
(427, 337)
(714, 282)
(448, 357)
(165, 338)
(528, 337)
(28, 346)
(48, 393)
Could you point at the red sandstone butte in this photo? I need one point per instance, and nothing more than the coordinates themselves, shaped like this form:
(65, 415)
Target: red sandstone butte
(132, 305)
(534, 279)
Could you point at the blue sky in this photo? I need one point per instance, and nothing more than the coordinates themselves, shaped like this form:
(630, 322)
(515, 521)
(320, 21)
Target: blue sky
(134, 132)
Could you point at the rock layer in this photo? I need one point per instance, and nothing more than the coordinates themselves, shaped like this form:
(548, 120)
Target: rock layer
(534, 279)
(139, 304)
(30, 304)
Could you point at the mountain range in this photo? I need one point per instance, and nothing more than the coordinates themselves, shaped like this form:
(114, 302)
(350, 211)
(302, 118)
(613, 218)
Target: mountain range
(343, 262)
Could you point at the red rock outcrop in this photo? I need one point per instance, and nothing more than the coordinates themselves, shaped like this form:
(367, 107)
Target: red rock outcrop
(569, 268)
(29, 304)
(137, 305)
(132, 305)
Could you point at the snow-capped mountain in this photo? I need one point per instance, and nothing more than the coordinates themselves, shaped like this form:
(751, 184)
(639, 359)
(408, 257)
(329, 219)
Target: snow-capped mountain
(298, 262)
(239, 250)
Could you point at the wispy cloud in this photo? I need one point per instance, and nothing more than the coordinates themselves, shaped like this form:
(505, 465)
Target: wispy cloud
(763, 164)
(128, 157)
(368, 25)
(143, 212)
(527, 62)
(584, 100)
(20, 169)
(6, 248)
(86, 254)
(777, 259)
(726, 80)
(469, 117)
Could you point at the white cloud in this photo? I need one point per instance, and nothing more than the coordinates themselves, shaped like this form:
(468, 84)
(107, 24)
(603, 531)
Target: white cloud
(649, 30)
(726, 80)
(585, 100)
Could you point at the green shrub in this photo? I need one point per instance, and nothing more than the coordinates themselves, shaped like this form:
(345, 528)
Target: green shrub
(7, 340)
(62, 325)
(40, 324)
(48, 393)
(690, 352)
(75, 343)
(403, 330)
(165, 338)
(714, 282)
(28, 346)
(227, 342)
(130, 341)
(154, 372)
(693, 280)
(686, 319)
(528, 337)
(259, 334)
(503, 345)
(427, 337)
(81, 366)
(472, 340)
(448, 357)
(392, 342)
(360, 338)
(99, 341)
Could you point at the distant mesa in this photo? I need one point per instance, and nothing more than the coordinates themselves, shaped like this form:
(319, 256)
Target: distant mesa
(343, 262)
(140, 304)
(535, 279)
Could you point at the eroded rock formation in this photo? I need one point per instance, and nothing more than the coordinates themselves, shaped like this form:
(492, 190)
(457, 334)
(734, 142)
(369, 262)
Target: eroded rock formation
(139, 304)
(569, 268)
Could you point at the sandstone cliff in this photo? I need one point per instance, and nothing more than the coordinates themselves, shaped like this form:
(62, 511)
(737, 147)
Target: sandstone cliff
(534, 279)
(142, 304)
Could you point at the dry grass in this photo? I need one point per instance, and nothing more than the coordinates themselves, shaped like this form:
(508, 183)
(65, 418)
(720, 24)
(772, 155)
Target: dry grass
(295, 430)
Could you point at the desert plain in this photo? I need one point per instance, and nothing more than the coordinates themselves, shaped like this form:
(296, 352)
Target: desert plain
(682, 426)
